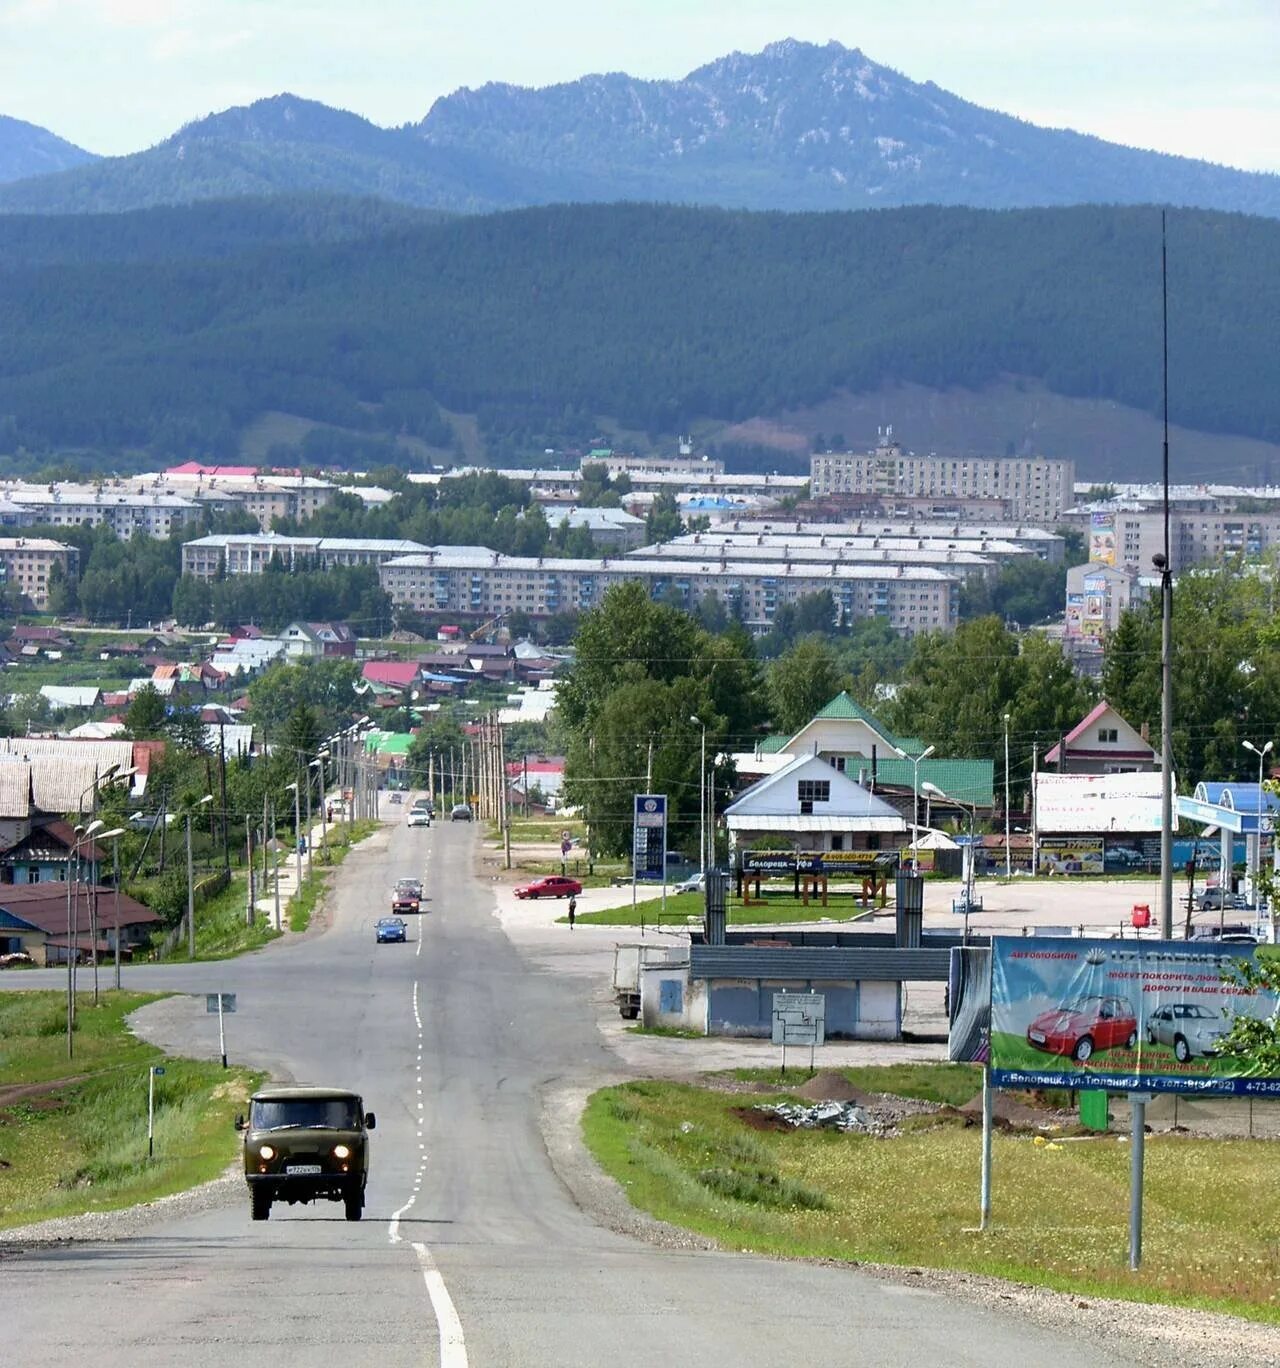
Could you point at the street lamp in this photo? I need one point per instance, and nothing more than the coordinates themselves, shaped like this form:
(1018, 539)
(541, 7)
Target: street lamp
(115, 888)
(93, 907)
(297, 835)
(935, 792)
(702, 800)
(1008, 853)
(82, 834)
(1257, 850)
(915, 806)
(191, 883)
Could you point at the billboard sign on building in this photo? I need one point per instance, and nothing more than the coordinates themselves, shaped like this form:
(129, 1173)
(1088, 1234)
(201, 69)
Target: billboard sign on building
(649, 837)
(1128, 1015)
(1071, 855)
(1102, 538)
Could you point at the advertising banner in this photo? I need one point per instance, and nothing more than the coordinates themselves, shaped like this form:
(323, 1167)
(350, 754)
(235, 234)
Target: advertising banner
(969, 1001)
(1129, 1015)
(768, 862)
(1102, 538)
(855, 863)
(1071, 855)
(649, 837)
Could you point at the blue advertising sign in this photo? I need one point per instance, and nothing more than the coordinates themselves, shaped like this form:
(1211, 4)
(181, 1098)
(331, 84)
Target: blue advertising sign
(649, 837)
(1127, 1015)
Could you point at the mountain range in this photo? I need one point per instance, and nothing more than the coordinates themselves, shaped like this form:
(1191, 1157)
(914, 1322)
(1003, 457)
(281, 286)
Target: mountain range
(797, 126)
(26, 150)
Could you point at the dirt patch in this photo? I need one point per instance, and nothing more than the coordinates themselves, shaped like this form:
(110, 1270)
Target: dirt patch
(1008, 1111)
(829, 1085)
(760, 1120)
(37, 1094)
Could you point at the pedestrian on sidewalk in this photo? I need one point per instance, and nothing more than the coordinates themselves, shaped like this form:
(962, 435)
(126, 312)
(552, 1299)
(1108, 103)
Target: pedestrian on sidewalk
(573, 911)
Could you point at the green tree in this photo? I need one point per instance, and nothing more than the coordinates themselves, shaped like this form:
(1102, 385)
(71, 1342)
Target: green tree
(145, 717)
(301, 735)
(185, 729)
(1254, 1040)
(326, 686)
(801, 682)
(662, 522)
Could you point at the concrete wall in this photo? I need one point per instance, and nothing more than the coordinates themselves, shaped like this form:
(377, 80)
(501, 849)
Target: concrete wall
(668, 997)
(858, 1010)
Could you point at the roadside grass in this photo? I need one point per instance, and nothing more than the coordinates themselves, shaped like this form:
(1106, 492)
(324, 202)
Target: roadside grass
(685, 1154)
(221, 928)
(670, 1032)
(80, 1143)
(681, 906)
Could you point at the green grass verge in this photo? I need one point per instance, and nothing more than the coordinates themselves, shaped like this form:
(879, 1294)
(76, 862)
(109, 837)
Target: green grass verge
(681, 906)
(78, 1140)
(221, 928)
(671, 1032)
(685, 1154)
(951, 1085)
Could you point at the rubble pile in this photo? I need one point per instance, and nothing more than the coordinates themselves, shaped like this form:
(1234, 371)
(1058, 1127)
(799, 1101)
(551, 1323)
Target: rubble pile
(841, 1116)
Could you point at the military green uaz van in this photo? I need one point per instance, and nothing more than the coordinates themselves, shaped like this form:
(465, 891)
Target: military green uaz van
(301, 1144)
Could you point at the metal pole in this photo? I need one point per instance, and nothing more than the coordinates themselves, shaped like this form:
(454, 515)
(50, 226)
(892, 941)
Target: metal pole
(191, 897)
(115, 879)
(915, 814)
(249, 910)
(1008, 852)
(1035, 837)
(1166, 633)
(308, 825)
(297, 836)
(70, 938)
(702, 805)
(222, 1033)
(1138, 1144)
(151, 1112)
(275, 882)
(324, 824)
(984, 1222)
(93, 914)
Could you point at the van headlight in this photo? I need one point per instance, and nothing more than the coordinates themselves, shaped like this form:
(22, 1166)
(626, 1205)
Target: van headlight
(341, 1152)
(266, 1152)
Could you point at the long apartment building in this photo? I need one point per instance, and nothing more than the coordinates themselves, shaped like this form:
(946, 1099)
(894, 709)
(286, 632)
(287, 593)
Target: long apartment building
(119, 505)
(26, 564)
(475, 580)
(1039, 541)
(971, 558)
(1030, 489)
(1128, 535)
(250, 553)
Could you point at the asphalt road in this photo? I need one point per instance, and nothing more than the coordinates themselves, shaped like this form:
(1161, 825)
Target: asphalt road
(472, 1251)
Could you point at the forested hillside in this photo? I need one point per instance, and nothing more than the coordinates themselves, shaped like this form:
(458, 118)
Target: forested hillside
(658, 316)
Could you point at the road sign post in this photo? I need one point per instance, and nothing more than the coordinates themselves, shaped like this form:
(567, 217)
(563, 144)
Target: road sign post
(223, 1004)
(153, 1073)
(799, 1019)
(648, 842)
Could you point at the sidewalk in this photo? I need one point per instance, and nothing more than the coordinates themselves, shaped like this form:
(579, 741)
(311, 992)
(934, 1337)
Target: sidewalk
(283, 872)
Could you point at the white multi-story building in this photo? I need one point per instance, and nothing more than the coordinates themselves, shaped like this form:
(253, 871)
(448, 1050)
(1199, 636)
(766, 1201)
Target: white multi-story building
(475, 580)
(1031, 489)
(250, 553)
(1039, 541)
(27, 562)
(1128, 535)
(126, 510)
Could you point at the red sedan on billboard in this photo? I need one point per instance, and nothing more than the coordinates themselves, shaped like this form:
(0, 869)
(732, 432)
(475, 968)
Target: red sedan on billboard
(1083, 1026)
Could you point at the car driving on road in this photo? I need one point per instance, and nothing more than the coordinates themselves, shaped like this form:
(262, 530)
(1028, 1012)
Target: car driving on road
(419, 817)
(461, 812)
(552, 886)
(303, 1144)
(1083, 1026)
(388, 929)
(1188, 1028)
(407, 896)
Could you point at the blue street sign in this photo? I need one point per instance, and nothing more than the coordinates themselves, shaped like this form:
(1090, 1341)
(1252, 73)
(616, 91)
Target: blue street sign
(649, 837)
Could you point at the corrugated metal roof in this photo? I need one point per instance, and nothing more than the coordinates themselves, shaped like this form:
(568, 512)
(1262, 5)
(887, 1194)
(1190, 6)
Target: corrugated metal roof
(971, 781)
(809, 963)
(15, 789)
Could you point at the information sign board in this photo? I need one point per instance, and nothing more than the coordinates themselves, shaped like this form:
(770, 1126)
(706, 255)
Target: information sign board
(799, 1018)
(211, 1002)
(649, 837)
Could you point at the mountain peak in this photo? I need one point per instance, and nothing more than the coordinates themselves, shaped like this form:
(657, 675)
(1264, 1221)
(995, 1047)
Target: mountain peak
(28, 150)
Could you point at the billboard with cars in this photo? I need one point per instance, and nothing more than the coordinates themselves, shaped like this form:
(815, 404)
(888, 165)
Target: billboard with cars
(1122, 1014)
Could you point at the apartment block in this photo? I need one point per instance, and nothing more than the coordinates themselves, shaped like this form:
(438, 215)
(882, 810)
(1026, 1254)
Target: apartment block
(1031, 489)
(250, 553)
(475, 580)
(125, 510)
(1129, 536)
(26, 564)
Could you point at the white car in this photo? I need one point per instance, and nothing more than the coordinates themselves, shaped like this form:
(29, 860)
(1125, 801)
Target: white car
(695, 883)
(419, 817)
(1189, 1028)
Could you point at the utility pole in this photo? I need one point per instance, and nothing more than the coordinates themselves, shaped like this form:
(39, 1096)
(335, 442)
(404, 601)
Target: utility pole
(506, 805)
(191, 896)
(115, 879)
(1035, 851)
(276, 857)
(1008, 851)
(248, 845)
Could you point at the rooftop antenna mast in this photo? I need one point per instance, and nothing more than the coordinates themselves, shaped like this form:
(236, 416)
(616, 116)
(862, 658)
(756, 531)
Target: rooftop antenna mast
(1164, 565)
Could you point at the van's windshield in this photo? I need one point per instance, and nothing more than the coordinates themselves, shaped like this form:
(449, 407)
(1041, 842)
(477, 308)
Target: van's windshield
(310, 1113)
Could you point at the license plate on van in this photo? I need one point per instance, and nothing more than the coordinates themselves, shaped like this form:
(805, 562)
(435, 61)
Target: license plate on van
(303, 1168)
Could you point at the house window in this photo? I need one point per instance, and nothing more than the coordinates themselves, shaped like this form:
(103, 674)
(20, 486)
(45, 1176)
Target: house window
(813, 790)
(1108, 735)
(837, 842)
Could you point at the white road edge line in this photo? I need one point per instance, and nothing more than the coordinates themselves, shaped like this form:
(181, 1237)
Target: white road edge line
(453, 1345)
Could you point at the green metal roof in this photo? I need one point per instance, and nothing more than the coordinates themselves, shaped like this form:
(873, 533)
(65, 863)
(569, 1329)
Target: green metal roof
(388, 743)
(843, 706)
(771, 745)
(969, 781)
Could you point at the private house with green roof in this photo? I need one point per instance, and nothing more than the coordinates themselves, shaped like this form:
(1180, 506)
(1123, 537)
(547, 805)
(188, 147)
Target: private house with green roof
(853, 741)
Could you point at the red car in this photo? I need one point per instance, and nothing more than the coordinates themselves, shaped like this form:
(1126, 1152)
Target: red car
(552, 886)
(1083, 1026)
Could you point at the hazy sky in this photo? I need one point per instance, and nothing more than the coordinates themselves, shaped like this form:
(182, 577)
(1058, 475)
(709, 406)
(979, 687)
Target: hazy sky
(1198, 77)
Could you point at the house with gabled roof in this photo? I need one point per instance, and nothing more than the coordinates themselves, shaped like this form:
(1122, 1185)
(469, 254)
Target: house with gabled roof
(855, 742)
(1104, 743)
(810, 805)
